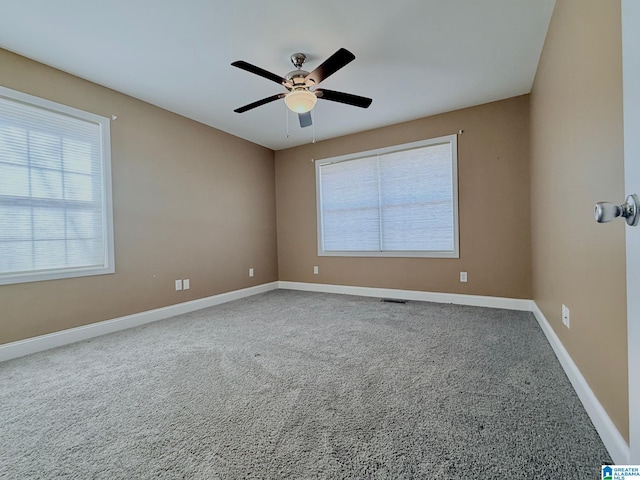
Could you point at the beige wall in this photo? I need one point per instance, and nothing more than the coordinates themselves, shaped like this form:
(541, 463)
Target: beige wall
(189, 202)
(577, 160)
(495, 246)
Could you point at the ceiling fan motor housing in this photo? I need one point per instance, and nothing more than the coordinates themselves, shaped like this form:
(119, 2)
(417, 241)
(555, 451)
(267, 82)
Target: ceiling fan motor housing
(297, 79)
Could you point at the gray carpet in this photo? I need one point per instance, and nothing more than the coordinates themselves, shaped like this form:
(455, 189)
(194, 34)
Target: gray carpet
(303, 386)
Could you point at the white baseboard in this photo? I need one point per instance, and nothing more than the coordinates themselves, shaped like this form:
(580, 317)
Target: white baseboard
(613, 441)
(40, 343)
(455, 298)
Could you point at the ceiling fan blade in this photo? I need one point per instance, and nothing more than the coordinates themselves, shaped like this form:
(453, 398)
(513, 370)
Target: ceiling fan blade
(270, 99)
(259, 71)
(331, 65)
(305, 119)
(348, 98)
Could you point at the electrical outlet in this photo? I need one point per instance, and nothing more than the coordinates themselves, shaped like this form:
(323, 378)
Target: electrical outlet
(463, 277)
(178, 285)
(251, 272)
(186, 284)
(315, 270)
(566, 318)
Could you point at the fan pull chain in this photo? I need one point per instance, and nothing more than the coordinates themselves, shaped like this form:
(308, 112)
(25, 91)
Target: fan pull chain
(286, 116)
(313, 126)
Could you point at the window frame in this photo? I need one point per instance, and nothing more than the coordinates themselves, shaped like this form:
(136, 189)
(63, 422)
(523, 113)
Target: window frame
(455, 253)
(103, 123)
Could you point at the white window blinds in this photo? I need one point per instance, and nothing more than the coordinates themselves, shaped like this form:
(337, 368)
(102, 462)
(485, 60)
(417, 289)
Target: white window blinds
(390, 202)
(55, 217)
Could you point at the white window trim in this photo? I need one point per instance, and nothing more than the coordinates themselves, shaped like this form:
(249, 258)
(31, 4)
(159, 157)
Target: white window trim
(109, 258)
(455, 253)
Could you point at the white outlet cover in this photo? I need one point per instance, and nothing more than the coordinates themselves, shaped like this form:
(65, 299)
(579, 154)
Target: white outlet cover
(178, 285)
(315, 270)
(566, 316)
(251, 272)
(186, 284)
(463, 276)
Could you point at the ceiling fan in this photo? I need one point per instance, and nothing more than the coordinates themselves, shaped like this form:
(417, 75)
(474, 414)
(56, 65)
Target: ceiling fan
(300, 97)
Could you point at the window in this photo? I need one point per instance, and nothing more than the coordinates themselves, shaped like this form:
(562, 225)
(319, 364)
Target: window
(55, 191)
(400, 201)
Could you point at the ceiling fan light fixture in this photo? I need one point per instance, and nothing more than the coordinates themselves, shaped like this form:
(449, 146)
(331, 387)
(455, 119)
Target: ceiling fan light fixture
(300, 101)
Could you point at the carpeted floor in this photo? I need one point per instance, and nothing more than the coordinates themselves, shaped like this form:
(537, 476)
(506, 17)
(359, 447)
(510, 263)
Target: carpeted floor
(302, 386)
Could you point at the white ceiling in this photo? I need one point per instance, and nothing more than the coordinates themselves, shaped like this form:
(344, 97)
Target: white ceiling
(415, 58)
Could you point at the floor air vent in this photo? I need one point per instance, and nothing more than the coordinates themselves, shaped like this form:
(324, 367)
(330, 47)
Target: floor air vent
(392, 300)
